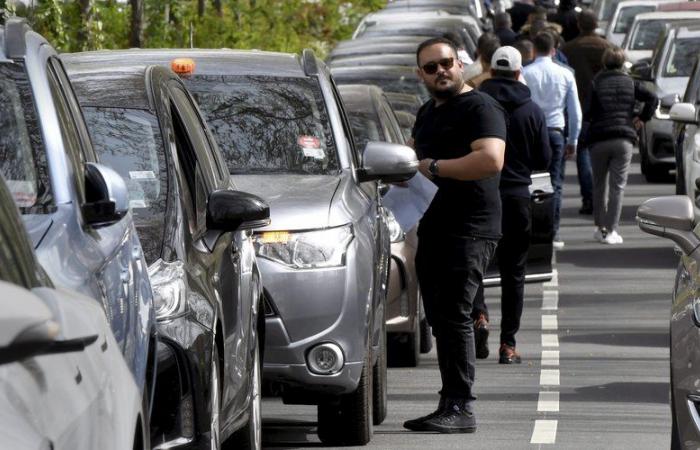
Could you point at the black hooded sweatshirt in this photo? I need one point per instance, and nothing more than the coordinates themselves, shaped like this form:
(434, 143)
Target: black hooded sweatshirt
(527, 142)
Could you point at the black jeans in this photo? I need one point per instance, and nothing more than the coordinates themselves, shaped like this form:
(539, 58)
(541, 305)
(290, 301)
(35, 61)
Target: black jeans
(511, 254)
(450, 270)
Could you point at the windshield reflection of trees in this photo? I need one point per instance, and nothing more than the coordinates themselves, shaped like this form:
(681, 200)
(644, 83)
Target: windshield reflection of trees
(258, 121)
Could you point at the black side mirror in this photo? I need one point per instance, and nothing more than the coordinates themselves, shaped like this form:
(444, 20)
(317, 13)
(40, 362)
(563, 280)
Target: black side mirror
(642, 71)
(106, 196)
(229, 210)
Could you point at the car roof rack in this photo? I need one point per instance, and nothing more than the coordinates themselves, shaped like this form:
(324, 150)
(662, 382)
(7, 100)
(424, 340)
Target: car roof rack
(15, 44)
(308, 62)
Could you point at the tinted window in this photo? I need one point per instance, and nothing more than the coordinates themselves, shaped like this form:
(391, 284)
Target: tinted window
(400, 84)
(268, 124)
(626, 17)
(647, 34)
(681, 57)
(22, 157)
(365, 128)
(129, 141)
(608, 9)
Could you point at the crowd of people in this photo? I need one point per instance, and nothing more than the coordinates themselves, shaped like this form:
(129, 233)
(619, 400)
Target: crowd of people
(544, 89)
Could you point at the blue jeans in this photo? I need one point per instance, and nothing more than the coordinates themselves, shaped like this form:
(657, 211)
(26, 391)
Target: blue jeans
(585, 174)
(556, 172)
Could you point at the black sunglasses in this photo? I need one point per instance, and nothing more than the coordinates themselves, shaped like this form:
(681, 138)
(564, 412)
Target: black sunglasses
(431, 68)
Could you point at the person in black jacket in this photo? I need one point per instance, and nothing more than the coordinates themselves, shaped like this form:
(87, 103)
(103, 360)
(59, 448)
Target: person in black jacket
(527, 150)
(610, 110)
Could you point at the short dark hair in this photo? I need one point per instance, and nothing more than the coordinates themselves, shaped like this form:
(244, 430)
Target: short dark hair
(487, 45)
(525, 47)
(613, 58)
(502, 20)
(587, 21)
(544, 43)
(454, 38)
(435, 41)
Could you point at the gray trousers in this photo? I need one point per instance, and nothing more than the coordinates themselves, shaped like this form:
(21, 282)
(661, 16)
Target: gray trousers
(610, 161)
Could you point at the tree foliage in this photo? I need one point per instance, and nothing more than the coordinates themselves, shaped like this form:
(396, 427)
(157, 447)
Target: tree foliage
(277, 25)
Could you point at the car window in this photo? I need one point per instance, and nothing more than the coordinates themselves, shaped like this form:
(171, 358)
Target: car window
(608, 9)
(365, 128)
(266, 124)
(691, 92)
(681, 57)
(22, 154)
(392, 126)
(129, 141)
(647, 34)
(627, 15)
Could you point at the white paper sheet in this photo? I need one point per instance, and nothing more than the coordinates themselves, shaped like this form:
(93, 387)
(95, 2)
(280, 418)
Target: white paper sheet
(408, 204)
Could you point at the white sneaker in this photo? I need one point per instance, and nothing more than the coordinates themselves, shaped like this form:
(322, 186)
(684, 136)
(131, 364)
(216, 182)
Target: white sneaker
(599, 235)
(613, 238)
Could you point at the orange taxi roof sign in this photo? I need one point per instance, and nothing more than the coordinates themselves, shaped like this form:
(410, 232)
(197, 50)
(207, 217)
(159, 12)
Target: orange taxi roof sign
(182, 66)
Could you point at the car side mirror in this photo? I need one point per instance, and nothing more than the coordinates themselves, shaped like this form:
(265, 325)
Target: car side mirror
(27, 327)
(387, 162)
(670, 217)
(106, 196)
(642, 71)
(683, 113)
(229, 210)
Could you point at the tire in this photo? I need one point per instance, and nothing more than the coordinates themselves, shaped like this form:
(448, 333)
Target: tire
(426, 336)
(404, 348)
(215, 400)
(249, 437)
(675, 435)
(655, 174)
(349, 421)
(379, 381)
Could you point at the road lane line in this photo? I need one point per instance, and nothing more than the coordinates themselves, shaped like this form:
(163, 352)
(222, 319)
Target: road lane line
(550, 300)
(549, 322)
(550, 357)
(545, 432)
(554, 282)
(550, 340)
(549, 377)
(548, 402)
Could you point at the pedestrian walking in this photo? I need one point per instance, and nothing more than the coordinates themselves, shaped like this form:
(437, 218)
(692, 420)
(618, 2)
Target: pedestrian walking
(566, 16)
(480, 69)
(527, 150)
(611, 135)
(527, 51)
(585, 55)
(459, 136)
(502, 28)
(520, 13)
(553, 88)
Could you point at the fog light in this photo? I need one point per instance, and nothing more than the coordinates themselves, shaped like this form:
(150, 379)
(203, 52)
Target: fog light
(325, 359)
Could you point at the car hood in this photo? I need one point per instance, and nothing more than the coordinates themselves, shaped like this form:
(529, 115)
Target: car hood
(37, 225)
(297, 202)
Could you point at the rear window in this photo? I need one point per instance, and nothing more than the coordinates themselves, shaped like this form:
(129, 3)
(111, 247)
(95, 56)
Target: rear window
(647, 34)
(626, 17)
(129, 141)
(266, 124)
(681, 58)
(22, 156)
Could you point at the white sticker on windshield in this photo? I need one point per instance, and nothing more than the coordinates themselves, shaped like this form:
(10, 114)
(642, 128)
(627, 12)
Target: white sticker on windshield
(141, 174)
(315, 153)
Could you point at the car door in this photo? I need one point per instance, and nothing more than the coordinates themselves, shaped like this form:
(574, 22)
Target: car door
(687, 145)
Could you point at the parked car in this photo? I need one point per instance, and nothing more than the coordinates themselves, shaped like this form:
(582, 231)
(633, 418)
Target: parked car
(372, 119)
(398, 45)
(604, 9)
(624, 15)
(406, 121)
(669, 72)
(208, 291)
(387, 59)
(672, 217)
(399, 102)
(64, 384)
(324, 259)
(456, 7)
(644, 33)
(75, 210)
(389, 78)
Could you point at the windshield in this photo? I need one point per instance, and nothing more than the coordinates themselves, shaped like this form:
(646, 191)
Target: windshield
(22, 157)
(681, 57)
(267, 124)
(364, 129)
(129, 141)
(606, 8)
(646, 34)
(626, 17)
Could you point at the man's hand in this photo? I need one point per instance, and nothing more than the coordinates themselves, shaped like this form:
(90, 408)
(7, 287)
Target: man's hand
(637, 122)
(423, 167)
(569, 151)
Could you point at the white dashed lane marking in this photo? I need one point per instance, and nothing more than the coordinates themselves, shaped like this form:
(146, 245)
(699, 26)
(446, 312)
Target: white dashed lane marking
(550, 357)
(550, 340)
(548, 402)
(549, 322)
(549, 377)
(545, 432)
(550, 300)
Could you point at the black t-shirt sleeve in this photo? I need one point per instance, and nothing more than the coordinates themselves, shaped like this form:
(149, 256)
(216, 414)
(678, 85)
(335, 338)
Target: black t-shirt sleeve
(487, 119)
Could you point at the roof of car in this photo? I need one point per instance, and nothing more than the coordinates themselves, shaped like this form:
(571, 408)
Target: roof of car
(680, 6)
(375, 72)
(207, 61)
(388, 59)
(663, 15)
(107, 86)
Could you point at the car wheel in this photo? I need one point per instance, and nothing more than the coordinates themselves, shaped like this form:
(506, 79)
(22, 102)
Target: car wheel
(426, 336)
(349, 420)
(656, 174)
(215, 401)
(675, 436)
(379, 380)
(249, 437)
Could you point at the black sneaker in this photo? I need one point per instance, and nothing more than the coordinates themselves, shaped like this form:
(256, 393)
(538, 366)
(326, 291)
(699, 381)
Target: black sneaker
(455, 418)
(417, 424)
(481, 337)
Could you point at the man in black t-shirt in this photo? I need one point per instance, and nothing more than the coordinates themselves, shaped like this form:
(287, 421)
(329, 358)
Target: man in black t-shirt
(459, 136)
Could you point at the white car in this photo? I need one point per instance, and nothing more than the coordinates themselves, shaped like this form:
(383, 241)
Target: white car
(646, 29)
(624, 15)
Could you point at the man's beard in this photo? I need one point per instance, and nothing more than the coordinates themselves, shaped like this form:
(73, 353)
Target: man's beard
(444, 94)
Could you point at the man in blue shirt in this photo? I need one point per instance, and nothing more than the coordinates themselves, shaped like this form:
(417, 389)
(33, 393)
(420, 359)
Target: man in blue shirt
(553, 89)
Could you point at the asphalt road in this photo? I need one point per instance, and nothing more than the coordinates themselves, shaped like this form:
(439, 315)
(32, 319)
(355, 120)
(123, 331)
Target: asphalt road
(595, 354)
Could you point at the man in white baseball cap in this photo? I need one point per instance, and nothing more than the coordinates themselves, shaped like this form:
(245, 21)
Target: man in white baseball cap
(527, 149)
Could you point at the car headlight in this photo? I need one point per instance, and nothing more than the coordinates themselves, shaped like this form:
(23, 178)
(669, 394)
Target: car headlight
(305, 249)
(169, 283)
(396, 234)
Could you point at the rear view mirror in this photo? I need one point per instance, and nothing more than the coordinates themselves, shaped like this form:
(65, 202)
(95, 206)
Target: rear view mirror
(668, 101)
(229, 210)
(106, 196)
(683, 113)
(670, 217)
(388, 162)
